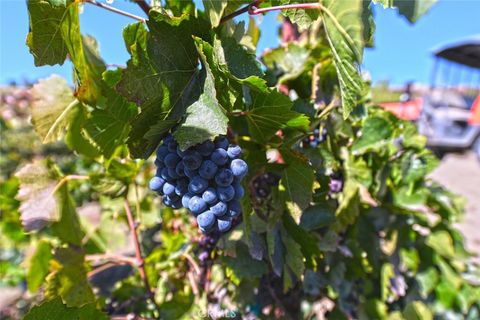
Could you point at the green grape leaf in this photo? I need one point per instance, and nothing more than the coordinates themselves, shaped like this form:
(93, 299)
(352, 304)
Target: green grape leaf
(442, 243)
(215, 9)
(68, 278)
(368, 23)
(54, 33)
(376, 132)
(178, 306)
(234, 60)
(343, 26)
(53, 108)
(349, 207)
(448, 274)
(416, 310)
(109, 126)
(38, 265)
(55, 310)
(85, 56)
(387, 274)
(76, 137)
(446, 294)
(204, 119)
(291, 61)
(161, 77)
(293, 257)
(410, 9)
(427, 281)
(67, 228)
(56, 113)
(243, 266)
(135, 37)
(269, 112)
(308, 243)
(276, 249)
(49, 19)
(375, 309)
(317, 216)
(297, 178)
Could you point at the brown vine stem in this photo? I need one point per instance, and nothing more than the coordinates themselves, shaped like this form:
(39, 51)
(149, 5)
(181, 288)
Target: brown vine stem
(144, 5)
(240, 11)
(113, 9)
(253, 10)
(140, 262)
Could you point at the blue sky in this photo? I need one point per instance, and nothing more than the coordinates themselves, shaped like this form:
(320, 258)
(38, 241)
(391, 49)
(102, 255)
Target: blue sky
(402, 52)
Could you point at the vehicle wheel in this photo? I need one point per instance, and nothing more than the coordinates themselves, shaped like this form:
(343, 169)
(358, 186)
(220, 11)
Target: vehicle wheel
(476, 148)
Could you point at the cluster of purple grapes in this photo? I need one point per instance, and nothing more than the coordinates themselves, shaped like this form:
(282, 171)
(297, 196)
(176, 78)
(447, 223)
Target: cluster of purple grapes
(206, 179)
(263, 184)
(318, 137)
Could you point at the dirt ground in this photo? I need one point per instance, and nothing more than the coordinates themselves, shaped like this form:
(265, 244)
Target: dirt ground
(460, 173)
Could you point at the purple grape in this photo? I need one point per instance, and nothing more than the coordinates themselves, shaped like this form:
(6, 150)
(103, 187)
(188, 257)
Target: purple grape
(156, 183)
(234, 151)
(168, 188)
(210, 196)
(219, 209)
(173, 173)
(206, 220)
(171, 160)
(190, 173)
(197, 185)
(239, 167)
(192, 160)
(172, 147)
(224, 177)
(181, 187)
(197, 205)
(225, 194)
(224, 225)
(208, 169)
(239, 191)
(180, 169)
(219, 156)
(162, 153)
(222, 143)
(186, 198)
(206, 148)
(234, 209)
